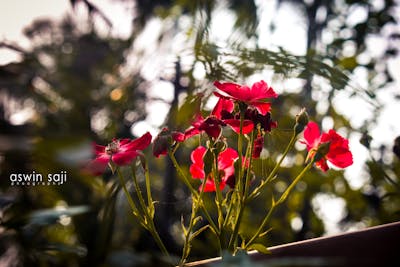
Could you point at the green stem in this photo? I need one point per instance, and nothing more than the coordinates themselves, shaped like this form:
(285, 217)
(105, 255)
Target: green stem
(188, 235)
(147, 223)
(148, 217)
(135, 210)
(239, 176)
(277, 203)
(148, 187)
(275, 169)
(218, 192)
(194, 193)
(243, 198)
(138, 191)
(186, 245)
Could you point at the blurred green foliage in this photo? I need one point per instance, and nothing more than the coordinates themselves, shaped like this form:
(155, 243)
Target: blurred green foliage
(80, 86)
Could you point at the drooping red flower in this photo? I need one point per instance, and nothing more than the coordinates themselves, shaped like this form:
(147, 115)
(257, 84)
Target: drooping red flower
(226, 167)
(264, 121)
(223, 111)
(258, 146)
(164, 140)
(338, 154)
(121, 152)
(255, 96)
(211, 125)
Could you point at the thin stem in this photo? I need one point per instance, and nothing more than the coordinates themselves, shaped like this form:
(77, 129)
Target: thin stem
(135, 210)
(275, 169)
(277, 203)
(194, 193)
(239, 176)
(138, 191)
(148, 217)
(186, 245)
(243, 198)
(218, 192)
(148, 186)
(188, 237)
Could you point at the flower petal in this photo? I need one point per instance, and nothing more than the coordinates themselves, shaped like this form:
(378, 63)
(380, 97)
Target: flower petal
(262, 107)
(322, 164)
(99, 150)
(210, 186)
(138, 144)
(192, 131)
(196, 170)
(311, 135)
(222, 104)
(339, 153)
(248, 125)
(232, 89)
(197, 154)
(226, 158)
(178, 136)
(341, 158)
(261, 90)
(95, 167)
(124, 158)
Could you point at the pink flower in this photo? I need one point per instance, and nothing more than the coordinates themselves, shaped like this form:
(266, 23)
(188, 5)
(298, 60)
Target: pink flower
(226, 168)
(120, 152)
(338, 154)
(254, 96)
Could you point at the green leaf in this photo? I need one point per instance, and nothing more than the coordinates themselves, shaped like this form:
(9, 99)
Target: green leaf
(199, 231)
(260, 248)
(183, 226)
(266, 232)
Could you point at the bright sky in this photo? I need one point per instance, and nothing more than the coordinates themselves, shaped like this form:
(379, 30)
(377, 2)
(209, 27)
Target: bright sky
(15, 15)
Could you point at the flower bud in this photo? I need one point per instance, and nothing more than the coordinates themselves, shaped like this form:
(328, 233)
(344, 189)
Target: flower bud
(301, 121)
(162, 143)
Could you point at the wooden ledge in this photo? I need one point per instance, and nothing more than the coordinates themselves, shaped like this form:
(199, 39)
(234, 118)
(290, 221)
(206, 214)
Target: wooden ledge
(374, 246)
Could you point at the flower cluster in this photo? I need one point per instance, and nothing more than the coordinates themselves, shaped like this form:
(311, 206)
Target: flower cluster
(247, 112)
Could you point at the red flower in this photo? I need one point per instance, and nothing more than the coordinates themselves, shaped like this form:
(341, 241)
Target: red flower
(223, 107)
(258, 146)
(254, 96)
(121, 152)
(223, 111)
(338, 153)
(211, 125)
(264, 121)
(226, 167)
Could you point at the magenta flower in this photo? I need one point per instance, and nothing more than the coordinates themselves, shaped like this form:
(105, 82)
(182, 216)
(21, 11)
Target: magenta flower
(223, 111)
(339, 153)
(254, 96)
(226, 168)
(211, 125)
(120, 152)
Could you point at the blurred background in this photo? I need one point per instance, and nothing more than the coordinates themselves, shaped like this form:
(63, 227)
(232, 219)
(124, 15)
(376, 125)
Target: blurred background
(81, 71)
